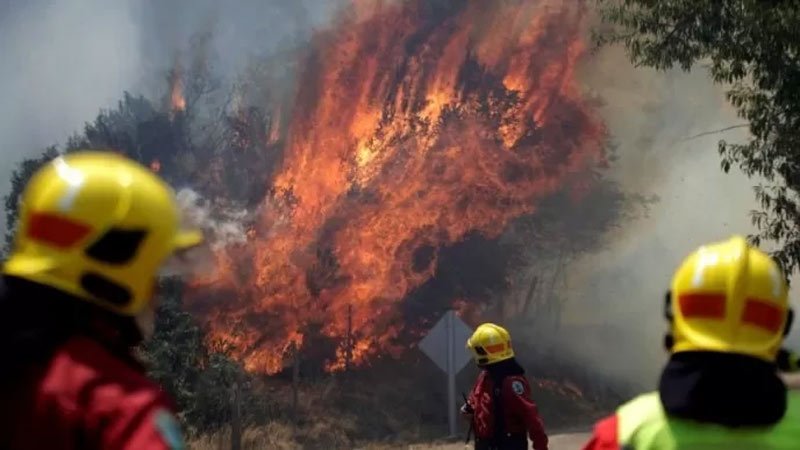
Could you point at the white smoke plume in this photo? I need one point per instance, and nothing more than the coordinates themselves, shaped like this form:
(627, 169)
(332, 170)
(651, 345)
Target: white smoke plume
(224, 225)
(614, 320)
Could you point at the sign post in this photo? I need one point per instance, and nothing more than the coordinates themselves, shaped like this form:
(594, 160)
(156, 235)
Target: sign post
(444, 345)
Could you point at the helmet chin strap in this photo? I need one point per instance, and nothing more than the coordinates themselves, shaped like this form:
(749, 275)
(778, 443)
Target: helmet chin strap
(669, 339)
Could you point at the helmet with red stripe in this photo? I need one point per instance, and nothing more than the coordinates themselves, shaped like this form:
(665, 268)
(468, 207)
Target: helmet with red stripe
(98, 226)
(490, 344)
(729, 297)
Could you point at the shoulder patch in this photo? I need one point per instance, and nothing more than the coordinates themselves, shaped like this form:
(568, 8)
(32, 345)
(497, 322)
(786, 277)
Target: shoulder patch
(169, 429)
(517, 387)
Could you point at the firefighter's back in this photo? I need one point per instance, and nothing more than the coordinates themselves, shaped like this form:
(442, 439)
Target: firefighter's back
(84, 397)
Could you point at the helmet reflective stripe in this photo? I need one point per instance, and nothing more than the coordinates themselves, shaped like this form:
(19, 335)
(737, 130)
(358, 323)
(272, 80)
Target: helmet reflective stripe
(55, 230)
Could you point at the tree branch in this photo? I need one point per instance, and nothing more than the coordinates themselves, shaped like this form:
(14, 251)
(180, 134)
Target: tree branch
(721, 130)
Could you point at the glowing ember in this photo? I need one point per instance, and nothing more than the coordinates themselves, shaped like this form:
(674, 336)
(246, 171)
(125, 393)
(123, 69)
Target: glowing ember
(176, 99)
(411, 129)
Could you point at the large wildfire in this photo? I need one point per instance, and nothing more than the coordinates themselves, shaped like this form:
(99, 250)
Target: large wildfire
(415, 124)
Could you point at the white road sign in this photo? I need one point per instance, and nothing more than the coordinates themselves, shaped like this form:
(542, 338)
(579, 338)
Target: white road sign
(445, 344)
(434, 345)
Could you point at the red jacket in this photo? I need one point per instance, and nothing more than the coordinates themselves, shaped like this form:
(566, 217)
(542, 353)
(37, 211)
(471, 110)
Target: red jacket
(605, 435)
(520, 414)
(85, 397)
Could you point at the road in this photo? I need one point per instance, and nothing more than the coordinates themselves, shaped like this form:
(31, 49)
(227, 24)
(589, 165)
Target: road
(567, 441)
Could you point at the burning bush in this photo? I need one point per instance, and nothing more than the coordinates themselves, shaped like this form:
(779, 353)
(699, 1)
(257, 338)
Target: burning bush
(413, 126)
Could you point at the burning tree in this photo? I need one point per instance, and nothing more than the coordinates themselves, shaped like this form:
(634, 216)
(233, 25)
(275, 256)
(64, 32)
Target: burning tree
(413, 127)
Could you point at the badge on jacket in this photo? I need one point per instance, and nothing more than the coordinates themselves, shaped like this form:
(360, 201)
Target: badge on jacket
(169, 429)
(518, 388)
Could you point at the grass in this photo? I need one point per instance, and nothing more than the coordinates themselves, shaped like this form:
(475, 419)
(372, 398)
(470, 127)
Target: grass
(391, 407)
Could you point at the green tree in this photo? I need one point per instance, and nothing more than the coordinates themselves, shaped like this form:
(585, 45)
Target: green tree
(199, 379)
(19, 178)
(753, 48)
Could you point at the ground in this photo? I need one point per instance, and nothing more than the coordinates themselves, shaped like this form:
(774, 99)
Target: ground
(567, 441)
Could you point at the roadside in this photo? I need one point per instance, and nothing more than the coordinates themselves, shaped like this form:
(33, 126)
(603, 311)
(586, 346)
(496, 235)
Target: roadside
(565, 441)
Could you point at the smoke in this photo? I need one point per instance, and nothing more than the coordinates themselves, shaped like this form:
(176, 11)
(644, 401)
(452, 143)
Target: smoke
(614, 320)
(224, 226)
(242, 31)
(64, 60)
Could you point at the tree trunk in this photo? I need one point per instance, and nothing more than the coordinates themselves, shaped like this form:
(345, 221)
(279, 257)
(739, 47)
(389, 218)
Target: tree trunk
(526, 306)
(348, 341)
(236, 417)
(295, 381)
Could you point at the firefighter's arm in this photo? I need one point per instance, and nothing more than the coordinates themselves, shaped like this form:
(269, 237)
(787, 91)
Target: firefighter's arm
(604, 436)
(521, 401)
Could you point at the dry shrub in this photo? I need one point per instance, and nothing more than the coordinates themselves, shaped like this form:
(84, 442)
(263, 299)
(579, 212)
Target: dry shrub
(274, 436)
(389, 406)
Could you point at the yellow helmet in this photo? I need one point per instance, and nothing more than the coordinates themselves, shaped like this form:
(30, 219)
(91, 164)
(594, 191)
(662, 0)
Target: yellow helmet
(729, 297)
(98, 226)
(490, 344)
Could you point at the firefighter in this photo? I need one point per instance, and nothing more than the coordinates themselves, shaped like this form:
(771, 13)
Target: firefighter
(728, 313)
(94, 230)
(499, 407)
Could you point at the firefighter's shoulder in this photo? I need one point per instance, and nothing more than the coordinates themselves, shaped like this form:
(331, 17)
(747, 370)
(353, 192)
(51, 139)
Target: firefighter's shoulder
(82, 368)
(112, 395)
(605, 435)
(517, 384)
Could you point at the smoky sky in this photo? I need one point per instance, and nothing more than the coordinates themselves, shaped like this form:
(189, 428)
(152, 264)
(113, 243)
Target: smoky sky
(61, 61)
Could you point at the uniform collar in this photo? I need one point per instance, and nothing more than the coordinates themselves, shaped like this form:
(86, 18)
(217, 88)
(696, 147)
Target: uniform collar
(726, 389)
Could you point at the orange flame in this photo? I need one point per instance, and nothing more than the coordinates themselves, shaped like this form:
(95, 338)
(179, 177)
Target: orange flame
(408, 133)
(177, 101)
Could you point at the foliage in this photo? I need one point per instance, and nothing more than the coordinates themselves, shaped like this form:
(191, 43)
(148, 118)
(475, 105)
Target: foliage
(753, 48)
(19, 178)
(200, 381)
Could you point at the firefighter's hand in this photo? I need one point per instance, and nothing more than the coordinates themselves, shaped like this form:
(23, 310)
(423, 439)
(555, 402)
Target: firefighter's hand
(466, 410)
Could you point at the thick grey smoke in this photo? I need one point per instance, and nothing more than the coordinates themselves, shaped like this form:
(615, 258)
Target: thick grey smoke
(61, 61)
(64, 60)
(225, 225)
(614, 316)
(240, 30)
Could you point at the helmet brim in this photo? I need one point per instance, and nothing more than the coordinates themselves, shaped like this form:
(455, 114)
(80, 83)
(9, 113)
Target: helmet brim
(187, 239)
(25, 265)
